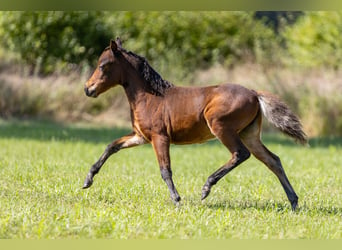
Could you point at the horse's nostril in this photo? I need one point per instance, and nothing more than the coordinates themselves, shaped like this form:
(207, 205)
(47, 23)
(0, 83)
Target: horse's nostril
(86, 91)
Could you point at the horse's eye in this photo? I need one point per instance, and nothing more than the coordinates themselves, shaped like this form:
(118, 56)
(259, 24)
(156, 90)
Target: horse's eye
(101, 67)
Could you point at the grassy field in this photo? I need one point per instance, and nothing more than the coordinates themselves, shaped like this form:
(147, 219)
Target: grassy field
(43, 165)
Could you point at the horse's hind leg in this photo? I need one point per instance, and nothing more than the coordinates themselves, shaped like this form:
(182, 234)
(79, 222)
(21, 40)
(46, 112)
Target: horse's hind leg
(239, 154)
(273, 162)
(251, 138)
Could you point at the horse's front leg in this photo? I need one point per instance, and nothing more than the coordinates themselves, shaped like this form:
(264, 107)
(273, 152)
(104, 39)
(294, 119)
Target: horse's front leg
(127, 141)
(161, 146)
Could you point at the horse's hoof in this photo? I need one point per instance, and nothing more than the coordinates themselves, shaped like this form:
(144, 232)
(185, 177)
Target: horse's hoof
(177, 203)
(176, 199)
(87, 183)
(294, 205)
(205, 192)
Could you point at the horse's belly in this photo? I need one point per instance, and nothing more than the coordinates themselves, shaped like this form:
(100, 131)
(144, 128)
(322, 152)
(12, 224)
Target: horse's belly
(198, 133)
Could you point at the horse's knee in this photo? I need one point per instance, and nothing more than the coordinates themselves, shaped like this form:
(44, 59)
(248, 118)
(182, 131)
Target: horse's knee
(277, 161)
(242, 155)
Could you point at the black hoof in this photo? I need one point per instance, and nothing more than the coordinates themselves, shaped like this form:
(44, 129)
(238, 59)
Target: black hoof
(294, 205)
(205, 192)
(87, 183)
(176, 199)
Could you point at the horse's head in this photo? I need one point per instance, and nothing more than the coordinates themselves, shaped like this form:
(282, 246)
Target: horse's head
(108, 71)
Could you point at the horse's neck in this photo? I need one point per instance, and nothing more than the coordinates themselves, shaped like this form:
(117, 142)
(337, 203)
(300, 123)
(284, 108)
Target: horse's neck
(138, 92)
(135, 89)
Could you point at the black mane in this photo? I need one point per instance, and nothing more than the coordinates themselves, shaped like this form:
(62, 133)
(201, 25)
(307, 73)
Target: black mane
(155, 84)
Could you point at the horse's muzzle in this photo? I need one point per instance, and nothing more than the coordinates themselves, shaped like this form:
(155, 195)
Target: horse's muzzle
(91, 92)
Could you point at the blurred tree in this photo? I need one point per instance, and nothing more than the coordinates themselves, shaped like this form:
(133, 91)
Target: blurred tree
(195, 39)
(50, 41)
(278, 19)
(47, 40)
(315, 40)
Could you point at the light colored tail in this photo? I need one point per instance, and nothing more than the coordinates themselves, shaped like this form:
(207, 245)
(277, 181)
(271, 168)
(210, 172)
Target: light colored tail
(280, 115)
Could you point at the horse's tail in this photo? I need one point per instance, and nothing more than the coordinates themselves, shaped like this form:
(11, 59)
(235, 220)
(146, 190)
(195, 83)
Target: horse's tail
(280, 115)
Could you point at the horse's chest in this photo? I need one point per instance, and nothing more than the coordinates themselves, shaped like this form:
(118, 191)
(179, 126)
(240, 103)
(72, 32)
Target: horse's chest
(148, 123)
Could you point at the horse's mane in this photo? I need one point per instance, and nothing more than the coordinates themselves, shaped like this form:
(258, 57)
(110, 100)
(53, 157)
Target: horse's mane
(155, 84)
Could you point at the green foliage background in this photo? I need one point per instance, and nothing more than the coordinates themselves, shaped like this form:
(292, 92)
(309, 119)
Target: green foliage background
(195, 39)
(54, 40)
(315, 40)
(49, 41)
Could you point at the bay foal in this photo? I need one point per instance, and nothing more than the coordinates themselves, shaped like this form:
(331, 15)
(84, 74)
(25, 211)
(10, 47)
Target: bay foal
(162, 114)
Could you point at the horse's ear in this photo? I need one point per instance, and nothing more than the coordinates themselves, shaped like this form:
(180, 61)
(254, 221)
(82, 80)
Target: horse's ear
(113, 45)
(118, 42)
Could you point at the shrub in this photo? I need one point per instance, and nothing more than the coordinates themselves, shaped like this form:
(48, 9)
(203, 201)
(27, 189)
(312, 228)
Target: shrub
(195, 39)
(314, 41)
(51, 41)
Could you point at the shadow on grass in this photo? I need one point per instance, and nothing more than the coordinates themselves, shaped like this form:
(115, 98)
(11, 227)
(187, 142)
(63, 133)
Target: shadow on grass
(257, 205)
(48, 130)
(275, 206)
(320, 210)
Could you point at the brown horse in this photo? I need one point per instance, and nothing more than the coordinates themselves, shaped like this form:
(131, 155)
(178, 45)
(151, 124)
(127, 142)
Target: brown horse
(162, 114)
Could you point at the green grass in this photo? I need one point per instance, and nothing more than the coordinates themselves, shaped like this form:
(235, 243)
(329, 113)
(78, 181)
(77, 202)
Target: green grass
(43, 165)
